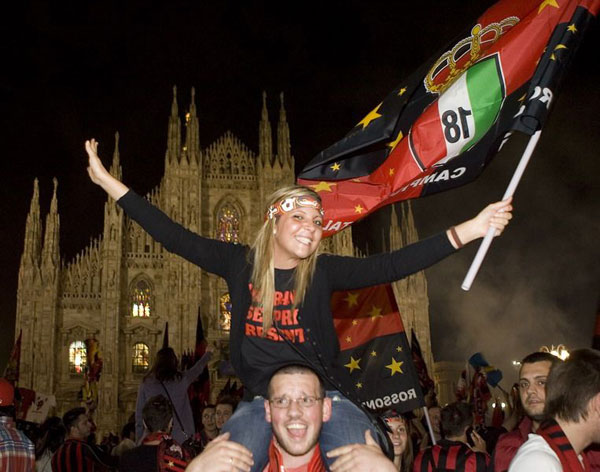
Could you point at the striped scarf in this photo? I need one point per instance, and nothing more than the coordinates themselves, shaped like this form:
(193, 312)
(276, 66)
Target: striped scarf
(558, 441)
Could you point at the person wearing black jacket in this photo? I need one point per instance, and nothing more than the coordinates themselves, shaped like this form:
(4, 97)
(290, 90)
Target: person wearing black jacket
(280, 290)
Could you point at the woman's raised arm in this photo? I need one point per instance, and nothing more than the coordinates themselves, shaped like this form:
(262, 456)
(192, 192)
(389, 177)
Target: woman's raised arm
(99, 175)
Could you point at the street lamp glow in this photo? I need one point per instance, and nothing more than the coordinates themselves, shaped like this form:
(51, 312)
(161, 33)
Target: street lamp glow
(559, 351)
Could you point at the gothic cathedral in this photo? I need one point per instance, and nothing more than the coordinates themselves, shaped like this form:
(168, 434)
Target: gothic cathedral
(124, 287)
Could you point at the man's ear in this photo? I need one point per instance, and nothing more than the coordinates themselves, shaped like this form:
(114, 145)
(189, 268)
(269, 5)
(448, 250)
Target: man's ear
(326, 409)
(594, 405)
(267, 411)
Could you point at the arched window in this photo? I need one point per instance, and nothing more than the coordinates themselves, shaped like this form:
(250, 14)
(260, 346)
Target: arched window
(141, 358)
(225, 305)
(228, 224)
(77, 357)
(141, 300)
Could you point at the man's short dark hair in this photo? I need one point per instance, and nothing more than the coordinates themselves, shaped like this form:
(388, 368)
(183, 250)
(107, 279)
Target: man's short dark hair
(541, 356)
(70, 417)
(227, 400)
(298, 369)
(455, 418)
(572, 384)
(128, 430)
(157, 413)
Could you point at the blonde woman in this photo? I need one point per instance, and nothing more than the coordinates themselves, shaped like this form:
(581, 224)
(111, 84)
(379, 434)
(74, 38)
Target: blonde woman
(280, 290)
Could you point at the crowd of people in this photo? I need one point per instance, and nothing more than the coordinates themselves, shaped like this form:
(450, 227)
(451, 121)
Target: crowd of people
(293, 415)
(555, 426)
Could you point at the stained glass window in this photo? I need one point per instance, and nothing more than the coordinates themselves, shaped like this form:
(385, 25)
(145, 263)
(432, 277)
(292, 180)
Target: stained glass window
(228, 224)
(141, 358)
(225, 304)
(77, 357)
(141, 300)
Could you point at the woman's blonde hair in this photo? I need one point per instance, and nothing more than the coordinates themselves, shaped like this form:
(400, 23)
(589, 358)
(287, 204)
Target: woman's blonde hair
(263, 272)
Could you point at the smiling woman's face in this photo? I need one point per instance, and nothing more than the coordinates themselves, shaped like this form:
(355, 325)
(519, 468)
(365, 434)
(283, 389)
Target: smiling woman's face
(399, 435)
(297, 235)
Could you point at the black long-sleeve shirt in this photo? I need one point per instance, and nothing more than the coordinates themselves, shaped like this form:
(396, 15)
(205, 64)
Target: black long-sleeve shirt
(310, 329)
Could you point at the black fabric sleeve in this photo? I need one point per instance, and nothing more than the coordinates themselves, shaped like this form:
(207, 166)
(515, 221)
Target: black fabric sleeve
(348, 273)
(211, 255)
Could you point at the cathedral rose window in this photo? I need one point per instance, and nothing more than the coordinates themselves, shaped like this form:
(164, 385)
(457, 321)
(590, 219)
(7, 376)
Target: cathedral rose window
(141, 358)
(141, 300)
(77, 357)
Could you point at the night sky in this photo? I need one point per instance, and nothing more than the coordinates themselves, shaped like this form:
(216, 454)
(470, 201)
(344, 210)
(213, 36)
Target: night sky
(87, 69)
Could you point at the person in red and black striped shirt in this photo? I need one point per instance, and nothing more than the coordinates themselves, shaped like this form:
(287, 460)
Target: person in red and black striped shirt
(453, 453)
(76, 455)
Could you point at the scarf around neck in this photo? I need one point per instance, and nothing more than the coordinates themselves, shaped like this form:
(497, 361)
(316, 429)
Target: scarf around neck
(555, 437)
(276, 460)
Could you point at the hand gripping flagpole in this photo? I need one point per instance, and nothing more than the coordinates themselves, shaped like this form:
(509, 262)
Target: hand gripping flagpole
(510, 190)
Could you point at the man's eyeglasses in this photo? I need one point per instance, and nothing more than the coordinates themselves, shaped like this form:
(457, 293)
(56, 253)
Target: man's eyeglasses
(285, 402)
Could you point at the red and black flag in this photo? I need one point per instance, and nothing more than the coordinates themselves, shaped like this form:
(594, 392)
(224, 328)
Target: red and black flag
(375, 364)
(199, 390)
(11, 371)
(425, 381)
(440, 128)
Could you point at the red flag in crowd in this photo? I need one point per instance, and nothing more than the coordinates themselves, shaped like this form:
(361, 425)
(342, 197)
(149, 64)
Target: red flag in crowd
(11, 372)
(375, 363)
(425, 380)
(199, 390)
(441, 127)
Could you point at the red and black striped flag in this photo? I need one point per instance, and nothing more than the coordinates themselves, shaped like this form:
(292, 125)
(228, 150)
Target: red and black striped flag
(440, 128)
(425, 381)
(199, 390)
(375, 363)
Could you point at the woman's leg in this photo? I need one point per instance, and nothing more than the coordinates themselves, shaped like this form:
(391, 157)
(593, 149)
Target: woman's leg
(347, 425)
(248, 427)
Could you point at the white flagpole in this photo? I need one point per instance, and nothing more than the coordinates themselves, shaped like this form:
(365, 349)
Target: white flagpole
(431, 435)
(510, 190)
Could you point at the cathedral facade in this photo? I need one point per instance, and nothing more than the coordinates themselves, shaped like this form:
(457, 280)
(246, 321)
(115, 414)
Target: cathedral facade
(124, 287)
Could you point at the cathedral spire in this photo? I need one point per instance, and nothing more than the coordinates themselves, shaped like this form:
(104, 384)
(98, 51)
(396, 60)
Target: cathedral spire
(174, 134)
(409, 229)
(395, 231)
(33, 233)
(283, 137)
(50, 251)
(192, 136)
(115, 168)
(265, 137)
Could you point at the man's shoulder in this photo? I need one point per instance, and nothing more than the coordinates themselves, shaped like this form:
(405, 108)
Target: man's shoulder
(10, 434)
(535, 454)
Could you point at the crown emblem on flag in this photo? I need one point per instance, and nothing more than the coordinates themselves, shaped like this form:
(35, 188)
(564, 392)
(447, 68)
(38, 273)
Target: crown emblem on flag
(464, 54)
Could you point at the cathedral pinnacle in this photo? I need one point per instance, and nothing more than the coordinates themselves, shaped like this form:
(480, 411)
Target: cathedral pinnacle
(33, 234)
(283, 137)
(265, 138)
(192, 137)
(115, 168)
(174, 134)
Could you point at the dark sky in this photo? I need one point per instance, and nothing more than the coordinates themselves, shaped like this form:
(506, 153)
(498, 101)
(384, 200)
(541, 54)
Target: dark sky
(82, 69)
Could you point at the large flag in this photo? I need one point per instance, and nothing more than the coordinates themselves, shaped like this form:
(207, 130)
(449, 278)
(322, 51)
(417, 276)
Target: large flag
(440, 127)
(425, 381)
(375, 365)
(11, 371)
